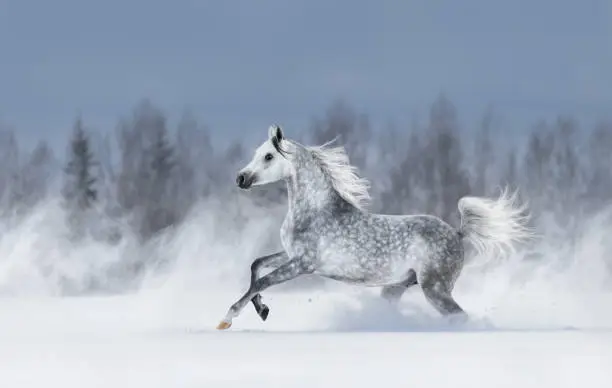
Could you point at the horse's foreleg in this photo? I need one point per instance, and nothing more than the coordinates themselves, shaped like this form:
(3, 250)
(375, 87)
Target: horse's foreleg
(270, 261)
(287, 271)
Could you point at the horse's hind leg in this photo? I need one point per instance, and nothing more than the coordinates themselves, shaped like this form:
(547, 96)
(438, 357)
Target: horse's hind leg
(437, 291)
(394, 293)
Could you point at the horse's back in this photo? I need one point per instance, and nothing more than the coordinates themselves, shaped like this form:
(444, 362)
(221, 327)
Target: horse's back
(427, 233)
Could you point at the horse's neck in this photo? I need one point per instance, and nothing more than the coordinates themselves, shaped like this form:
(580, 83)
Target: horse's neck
(308, 189)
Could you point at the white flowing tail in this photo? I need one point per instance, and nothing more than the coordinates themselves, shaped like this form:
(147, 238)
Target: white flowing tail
(494, 226)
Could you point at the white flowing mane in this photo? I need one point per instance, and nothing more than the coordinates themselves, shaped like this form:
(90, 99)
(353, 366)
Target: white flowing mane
(336, 165)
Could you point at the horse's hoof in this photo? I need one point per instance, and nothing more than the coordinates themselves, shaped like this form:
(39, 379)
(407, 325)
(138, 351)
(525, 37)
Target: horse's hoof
(223, 325)
(263, 313)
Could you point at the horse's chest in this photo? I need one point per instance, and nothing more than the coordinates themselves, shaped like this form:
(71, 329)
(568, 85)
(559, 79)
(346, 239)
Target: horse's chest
(285, 234)
(295, 236)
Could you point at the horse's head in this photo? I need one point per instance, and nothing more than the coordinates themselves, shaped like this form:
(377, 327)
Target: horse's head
(269, 163)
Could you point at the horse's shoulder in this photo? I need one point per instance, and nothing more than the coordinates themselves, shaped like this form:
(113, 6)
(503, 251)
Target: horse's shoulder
(298, 223)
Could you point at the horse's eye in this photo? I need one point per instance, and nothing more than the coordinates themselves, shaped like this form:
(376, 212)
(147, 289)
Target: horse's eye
(268, 157)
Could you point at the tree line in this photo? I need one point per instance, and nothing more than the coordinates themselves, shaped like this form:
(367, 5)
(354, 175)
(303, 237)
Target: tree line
(151, 175)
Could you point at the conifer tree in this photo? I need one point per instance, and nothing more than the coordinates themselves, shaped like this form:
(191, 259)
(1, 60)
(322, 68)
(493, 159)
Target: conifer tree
(80, 191)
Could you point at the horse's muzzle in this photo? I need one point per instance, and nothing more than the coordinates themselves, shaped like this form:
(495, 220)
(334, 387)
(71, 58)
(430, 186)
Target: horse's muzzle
(245, 180)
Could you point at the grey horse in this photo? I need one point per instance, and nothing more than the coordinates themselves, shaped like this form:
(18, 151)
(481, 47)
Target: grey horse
(327, 231)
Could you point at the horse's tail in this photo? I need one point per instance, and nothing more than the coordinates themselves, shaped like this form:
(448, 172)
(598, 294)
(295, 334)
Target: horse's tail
(493, 226)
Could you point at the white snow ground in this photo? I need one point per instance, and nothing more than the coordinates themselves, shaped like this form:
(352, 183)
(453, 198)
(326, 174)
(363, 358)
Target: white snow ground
(544, 325)
(159, 339)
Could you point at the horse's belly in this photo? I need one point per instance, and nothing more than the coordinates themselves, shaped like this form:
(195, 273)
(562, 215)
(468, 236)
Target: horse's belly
(365, 271)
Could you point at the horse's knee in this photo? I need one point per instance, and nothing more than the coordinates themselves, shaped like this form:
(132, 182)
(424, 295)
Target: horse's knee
(256, 264)
(260, 285)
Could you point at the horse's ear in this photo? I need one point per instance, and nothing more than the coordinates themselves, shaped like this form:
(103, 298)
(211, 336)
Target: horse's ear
(275, 132)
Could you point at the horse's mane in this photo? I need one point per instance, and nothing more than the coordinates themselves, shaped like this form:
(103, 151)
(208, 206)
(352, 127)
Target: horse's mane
(344, 179)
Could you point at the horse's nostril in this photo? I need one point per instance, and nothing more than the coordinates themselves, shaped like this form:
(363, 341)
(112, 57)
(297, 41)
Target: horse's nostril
(240, 180)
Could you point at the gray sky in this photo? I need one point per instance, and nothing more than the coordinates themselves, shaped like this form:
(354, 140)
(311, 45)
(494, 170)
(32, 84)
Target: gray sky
(241, 65)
